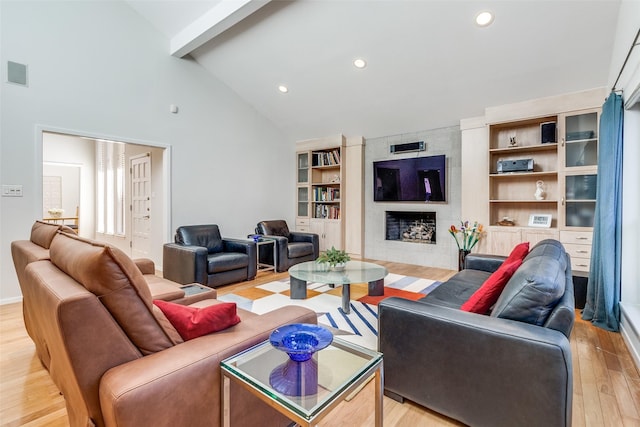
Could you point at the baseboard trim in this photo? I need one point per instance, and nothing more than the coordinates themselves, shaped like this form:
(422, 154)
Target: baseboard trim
(629, 322)
(5, 301)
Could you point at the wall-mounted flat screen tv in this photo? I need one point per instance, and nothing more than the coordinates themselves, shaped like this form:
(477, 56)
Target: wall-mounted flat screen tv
(416, 179)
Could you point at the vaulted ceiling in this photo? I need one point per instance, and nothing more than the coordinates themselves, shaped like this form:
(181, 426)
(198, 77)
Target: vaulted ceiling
(428, 63)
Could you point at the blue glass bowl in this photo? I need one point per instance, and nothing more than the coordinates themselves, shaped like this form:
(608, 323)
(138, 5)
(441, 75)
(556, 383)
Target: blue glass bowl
(301, 340)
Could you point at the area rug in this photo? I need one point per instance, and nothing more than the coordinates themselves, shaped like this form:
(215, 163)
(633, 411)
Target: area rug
(360, 326)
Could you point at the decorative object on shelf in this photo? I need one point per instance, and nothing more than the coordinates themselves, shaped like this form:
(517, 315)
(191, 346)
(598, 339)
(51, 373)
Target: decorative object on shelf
(335, 258)
(469, 237)
(300, 340)
(512, 141)
(56, 212)
(506, 222)
(540, 194)
(336, 178)
(295, 378)
(540, 220)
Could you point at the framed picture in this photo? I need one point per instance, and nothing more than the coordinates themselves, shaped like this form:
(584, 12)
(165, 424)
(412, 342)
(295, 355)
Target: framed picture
(540, 220)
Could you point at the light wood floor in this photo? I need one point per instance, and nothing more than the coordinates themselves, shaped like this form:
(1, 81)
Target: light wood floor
(606, 381)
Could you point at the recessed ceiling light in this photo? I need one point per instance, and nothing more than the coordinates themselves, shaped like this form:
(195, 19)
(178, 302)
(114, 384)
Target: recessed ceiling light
(359, 63)
(484, 18)
(283, 89)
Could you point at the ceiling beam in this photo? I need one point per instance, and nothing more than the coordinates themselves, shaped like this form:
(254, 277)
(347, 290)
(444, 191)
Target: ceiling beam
(220, 18)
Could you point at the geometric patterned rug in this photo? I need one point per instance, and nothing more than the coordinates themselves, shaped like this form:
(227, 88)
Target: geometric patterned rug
(360, 326)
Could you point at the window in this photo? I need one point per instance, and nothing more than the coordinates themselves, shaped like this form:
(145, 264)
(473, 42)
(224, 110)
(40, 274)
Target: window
(110, 208)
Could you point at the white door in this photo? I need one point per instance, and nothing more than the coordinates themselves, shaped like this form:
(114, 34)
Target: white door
(140, 167)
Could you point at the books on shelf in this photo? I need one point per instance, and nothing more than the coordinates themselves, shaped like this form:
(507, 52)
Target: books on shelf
(326, 194)
(326, 158)
(327, 212)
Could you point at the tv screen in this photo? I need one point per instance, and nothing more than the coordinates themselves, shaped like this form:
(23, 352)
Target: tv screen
(417, 179)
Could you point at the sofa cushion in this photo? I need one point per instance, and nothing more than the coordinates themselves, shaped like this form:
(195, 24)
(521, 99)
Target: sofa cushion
(518, 253)
(192, 322)
(548, 248)
(114, 278)
(299, 249)
(486, 296)
(42, 233)
(533, 290)
(458, 289)
(207, 236)
(226, 261)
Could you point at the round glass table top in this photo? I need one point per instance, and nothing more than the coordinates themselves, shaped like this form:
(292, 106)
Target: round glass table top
(354, 272)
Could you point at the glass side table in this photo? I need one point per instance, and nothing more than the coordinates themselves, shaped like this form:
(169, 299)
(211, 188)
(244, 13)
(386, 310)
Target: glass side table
(305, 392)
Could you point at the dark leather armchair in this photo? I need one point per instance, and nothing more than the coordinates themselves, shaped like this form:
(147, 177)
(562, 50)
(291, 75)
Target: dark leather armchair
(292, 247)
(201, 255)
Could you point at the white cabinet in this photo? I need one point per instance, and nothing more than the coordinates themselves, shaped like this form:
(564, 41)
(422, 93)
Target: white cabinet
(329, 231)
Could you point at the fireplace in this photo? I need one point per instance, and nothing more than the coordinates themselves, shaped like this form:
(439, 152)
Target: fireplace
(414, 227)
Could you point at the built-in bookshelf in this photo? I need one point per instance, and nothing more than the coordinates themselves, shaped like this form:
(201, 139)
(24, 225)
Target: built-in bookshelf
(319, 193)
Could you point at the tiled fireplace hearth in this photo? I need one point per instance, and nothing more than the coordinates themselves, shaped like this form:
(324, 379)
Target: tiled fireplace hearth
(413, 227)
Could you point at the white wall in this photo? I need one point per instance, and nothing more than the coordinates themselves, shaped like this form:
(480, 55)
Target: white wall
(444, 253)
(64, 148)
(98, 69)
(628, 25)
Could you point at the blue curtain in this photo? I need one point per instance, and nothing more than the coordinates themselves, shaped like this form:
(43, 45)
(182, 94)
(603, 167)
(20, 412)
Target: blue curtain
(603, 288)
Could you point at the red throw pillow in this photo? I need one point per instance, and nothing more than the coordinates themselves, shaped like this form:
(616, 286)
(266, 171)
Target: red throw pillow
(518, 252)
(191, 322)
(487, 294)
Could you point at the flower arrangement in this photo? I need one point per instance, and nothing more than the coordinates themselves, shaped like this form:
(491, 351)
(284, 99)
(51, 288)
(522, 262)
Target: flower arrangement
(333, 257)
(56, 212)
(469, 235)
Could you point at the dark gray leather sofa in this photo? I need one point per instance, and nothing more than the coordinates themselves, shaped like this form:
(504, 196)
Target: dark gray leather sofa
(292, 247)
(510, 368)
(201, 255)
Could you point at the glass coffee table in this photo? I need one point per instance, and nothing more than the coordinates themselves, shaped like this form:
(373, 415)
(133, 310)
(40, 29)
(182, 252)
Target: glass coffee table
(307, 391)
(354, 272)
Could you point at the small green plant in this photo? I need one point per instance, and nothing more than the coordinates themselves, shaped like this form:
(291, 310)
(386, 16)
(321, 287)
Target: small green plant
(333, 256)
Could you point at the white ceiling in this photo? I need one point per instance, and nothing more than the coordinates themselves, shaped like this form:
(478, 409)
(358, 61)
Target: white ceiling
(429, 65)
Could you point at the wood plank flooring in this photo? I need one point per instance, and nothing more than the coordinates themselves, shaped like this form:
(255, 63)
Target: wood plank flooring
(606, 381)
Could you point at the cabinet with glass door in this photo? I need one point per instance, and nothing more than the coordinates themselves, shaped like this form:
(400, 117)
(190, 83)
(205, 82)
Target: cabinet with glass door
(302, 191)
(578, 184)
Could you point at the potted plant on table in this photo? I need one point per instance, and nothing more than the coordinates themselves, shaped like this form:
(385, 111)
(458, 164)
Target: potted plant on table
(335, 258)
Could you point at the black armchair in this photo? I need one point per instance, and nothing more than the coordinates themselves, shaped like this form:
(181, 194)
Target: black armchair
(292, 247)
(201, 255)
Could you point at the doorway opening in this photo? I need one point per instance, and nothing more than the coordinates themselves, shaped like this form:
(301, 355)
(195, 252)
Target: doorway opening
(90, 197)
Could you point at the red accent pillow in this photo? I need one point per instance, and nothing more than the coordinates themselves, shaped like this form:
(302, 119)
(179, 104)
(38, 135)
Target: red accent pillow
(518, 252)
(487, 294)
(191, 322)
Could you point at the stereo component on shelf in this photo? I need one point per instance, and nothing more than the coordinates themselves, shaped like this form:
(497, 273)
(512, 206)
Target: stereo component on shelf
(519, 165)
(548, 132)
(407, 147)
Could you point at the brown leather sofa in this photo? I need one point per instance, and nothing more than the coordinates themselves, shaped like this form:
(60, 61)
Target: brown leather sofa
(37, 249)
(116, 358)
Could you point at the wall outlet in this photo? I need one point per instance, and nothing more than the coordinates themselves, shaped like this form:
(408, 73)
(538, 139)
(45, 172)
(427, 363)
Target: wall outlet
(11, 190)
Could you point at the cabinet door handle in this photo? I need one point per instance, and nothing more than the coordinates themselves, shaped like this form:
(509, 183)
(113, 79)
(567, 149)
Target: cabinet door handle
(582, 238)
(562, 143)
(562, 200)
(582, 265)
(581, 252)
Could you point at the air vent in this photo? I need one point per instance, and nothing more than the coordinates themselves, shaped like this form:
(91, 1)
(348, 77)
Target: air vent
(409, 146)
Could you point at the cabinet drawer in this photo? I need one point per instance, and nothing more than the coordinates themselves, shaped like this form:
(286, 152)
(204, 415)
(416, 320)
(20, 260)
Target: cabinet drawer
(579, 237)
(580, 264)
(304, 222)
(578, 251)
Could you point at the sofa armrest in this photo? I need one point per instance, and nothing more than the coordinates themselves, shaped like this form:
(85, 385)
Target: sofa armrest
(299, 236)
(184, 264)
(478, 369)
(181, 386)
(247, 247)
(483, 262)
(145, 265)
